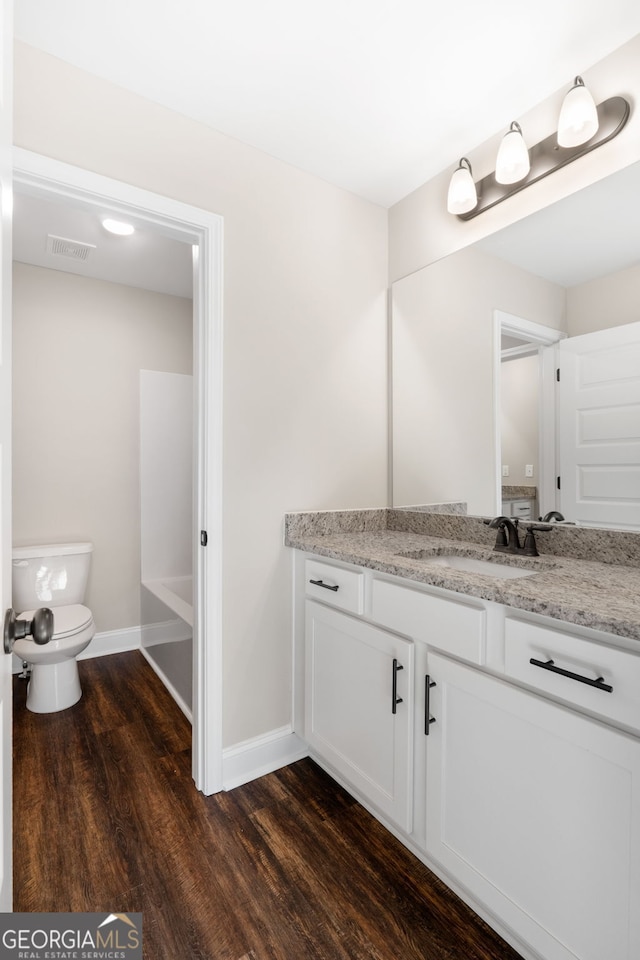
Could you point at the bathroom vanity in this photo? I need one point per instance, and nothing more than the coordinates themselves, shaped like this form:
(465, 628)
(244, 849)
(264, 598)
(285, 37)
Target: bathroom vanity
(486, 709)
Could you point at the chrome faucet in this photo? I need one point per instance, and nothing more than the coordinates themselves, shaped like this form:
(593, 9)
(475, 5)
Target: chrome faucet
(508, 540)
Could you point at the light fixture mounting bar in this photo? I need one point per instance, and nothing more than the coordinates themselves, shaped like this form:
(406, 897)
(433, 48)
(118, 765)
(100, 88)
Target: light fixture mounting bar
(547, 157)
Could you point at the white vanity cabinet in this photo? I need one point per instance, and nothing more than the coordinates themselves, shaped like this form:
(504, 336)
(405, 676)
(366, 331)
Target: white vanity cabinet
(516, 781)
(535, 809)
(359, 706)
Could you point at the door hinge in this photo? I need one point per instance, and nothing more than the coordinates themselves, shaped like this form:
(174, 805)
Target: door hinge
(558, 374)
(203, 538)
(558, 482)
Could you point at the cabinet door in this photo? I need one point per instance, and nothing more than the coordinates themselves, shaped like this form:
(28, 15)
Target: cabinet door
(535, 809)
(359, 705)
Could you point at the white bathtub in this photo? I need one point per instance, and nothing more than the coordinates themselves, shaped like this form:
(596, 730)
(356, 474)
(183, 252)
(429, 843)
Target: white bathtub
(176, 593)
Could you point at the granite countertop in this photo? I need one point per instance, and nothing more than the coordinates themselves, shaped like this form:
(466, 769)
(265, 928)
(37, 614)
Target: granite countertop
(604, 596)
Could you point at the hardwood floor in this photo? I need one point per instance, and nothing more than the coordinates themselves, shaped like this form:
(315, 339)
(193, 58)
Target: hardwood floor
(288, 867)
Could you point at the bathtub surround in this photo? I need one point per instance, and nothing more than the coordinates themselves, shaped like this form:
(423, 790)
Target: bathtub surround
(166, 475)
(166, 529)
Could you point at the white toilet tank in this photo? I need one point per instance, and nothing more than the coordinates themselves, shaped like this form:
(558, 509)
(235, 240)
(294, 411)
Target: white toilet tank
(50, 575)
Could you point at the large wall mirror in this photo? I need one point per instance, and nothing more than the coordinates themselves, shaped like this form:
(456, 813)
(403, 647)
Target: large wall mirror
(461, 417)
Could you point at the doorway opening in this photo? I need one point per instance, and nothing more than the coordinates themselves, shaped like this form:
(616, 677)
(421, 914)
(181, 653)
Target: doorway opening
(515, 340)
(41, 177)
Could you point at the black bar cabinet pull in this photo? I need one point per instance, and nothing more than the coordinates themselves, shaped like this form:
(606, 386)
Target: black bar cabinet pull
(395, 699)
(550, 665)
(327, 586)
(428, 719)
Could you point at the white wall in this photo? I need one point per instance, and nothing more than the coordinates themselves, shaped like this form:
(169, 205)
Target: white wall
(519, 399)
(605, 302)
(78, 347)
(304, 342)
(420, 229)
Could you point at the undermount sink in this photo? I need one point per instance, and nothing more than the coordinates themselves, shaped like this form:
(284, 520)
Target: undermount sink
(489, 568)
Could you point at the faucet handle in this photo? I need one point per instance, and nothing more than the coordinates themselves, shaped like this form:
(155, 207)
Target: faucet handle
(500, 524)
(530, 547)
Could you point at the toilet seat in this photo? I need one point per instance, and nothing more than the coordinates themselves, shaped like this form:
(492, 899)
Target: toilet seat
(67, 621)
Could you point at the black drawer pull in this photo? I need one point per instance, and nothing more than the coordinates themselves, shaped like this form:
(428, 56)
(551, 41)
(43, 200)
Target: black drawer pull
(550, 665)
(327, 586)
(395, 699)
(428, 719)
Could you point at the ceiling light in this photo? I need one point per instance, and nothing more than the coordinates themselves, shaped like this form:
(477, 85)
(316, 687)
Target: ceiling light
(578, 120)
(118, 227)
(462, 196)
(512, 163)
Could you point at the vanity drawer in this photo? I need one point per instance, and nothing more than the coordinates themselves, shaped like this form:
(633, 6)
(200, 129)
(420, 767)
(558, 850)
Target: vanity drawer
(522, 508)
(585, 660)
(334, 585)
(455, 627)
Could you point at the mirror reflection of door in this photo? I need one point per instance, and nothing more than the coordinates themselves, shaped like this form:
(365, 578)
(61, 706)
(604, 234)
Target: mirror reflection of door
(599, 427)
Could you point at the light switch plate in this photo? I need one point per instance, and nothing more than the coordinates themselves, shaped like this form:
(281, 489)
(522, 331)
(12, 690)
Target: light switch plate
(528, 470)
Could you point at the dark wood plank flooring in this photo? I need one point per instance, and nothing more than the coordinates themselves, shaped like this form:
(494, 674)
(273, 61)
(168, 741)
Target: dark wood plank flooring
(289, 867)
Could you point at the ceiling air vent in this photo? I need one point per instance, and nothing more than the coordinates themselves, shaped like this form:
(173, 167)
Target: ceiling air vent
(73, 249)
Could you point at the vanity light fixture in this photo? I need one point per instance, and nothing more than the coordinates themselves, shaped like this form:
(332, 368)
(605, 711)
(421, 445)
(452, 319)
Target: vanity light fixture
(578, 120)
(512, 162)
(119, 227)
(517, 167)
(462, 196)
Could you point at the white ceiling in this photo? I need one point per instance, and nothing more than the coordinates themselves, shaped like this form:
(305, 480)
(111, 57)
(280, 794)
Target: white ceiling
(145, 259)
(376, 96)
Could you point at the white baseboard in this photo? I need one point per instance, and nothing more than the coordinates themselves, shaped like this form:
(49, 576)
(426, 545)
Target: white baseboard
(261, 755)
(112, 641)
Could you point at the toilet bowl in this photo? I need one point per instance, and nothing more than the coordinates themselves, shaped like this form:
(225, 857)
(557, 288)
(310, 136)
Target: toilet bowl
(54, 684)
(54, 576)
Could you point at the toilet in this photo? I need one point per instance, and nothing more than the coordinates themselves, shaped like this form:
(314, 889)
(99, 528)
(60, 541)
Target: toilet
(55, 576)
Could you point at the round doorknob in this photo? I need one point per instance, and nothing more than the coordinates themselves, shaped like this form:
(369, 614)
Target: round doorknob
(40, 628)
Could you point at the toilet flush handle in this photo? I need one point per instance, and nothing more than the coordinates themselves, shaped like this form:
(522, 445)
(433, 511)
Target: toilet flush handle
(40, 628)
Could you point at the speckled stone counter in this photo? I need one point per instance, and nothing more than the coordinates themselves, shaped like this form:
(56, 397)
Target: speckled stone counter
(513, 492)
(583, 576)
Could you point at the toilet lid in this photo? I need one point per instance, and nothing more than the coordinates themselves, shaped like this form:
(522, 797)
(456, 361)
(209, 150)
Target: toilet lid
(66, 620)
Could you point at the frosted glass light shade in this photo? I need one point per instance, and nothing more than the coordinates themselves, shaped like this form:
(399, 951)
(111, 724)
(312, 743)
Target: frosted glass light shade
(119, 227)
(512, 162)
(462, 196)
(578, 120)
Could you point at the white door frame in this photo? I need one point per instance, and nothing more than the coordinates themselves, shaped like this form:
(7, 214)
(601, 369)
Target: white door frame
(6, 686)
(44, 176)
(540, 338)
